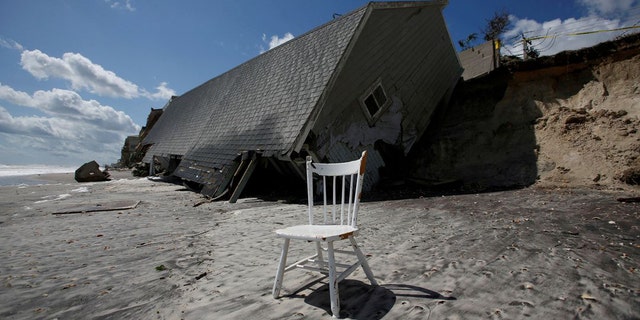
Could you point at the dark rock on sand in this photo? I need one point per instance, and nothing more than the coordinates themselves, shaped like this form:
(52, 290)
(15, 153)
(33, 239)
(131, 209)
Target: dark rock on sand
(90, 172)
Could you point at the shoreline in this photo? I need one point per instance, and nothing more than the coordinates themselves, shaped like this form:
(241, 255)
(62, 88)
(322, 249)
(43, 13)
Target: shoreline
(55, 178)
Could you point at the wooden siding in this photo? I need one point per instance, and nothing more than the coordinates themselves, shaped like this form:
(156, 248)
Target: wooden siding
(411, 52)
(479, 60)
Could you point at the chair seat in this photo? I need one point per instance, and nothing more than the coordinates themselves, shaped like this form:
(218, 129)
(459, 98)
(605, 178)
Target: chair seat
(317, 232)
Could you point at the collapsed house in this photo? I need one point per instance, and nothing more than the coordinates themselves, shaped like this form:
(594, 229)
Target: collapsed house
(368, 80)
(133, 151)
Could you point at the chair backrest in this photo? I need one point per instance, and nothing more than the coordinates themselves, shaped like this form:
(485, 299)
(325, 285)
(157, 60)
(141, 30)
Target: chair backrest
(341, 188)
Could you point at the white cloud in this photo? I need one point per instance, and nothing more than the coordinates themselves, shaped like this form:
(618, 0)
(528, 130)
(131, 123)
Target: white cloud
(10, 44)
(125, 5)
(68, 105)
(71, 130)
(163, 92)
(34, 126)
(275, 40)
(551, 37)
(83, 74)
(80, 71)
(67, 128)
(606, 6)
(16, 97)
(48, 140)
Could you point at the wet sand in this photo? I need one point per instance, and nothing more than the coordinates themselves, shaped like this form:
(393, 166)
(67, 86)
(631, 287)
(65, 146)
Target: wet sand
(530, 253)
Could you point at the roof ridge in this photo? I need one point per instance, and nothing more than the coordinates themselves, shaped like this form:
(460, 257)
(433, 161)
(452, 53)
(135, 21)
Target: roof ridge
(407, 4)
(326, 24)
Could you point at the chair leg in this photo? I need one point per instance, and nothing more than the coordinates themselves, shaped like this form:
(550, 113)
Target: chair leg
(334, 294)
(363, 261)
(319, 258)
(277, 285)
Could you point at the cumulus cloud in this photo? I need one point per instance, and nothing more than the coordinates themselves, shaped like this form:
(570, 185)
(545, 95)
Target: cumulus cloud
(606, 6)
(16, 97)
(83, 74)
(275, 40)
(55, 140)
(36, 126)
(68, 105)
(70, 128)
(62, 124)
(551, 37)
(80, 71)
(162, 92)
(605, 20)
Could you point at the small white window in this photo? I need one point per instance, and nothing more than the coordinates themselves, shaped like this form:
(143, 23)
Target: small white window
(374, 102)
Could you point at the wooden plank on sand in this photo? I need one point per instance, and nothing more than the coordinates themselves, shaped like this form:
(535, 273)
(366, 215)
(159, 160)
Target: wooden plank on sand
(107, 206)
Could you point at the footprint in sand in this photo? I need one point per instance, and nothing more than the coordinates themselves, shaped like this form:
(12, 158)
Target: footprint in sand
(521, 303)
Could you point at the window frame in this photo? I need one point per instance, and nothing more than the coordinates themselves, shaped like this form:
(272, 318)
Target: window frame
(371, 93)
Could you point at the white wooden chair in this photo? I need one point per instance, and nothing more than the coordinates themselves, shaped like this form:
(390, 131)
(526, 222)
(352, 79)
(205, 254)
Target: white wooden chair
(339, 222)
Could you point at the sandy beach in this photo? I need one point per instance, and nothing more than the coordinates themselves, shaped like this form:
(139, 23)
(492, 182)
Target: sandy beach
(530, 253)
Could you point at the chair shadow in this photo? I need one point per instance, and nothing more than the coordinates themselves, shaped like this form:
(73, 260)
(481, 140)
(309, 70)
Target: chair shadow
(359, 300)
(405, 290)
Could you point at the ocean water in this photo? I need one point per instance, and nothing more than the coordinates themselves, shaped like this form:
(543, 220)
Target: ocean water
(13, 175)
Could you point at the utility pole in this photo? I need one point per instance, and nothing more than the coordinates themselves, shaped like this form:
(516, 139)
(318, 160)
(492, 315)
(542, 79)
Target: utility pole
(525, 46)
(528, 51)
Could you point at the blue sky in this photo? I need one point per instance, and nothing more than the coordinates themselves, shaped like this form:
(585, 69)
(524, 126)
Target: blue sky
(78, 76)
